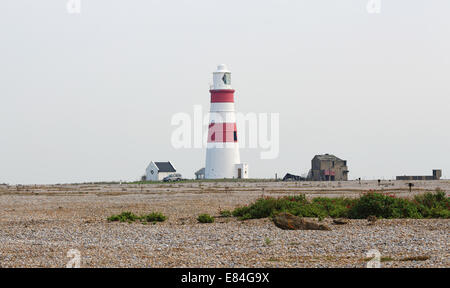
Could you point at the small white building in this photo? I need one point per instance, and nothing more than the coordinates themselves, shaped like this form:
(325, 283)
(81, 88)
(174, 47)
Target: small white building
(157, 171)
(241, 171)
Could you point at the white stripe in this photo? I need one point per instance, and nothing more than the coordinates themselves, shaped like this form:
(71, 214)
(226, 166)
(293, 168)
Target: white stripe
(222, 107)
(222, 117)
(222, 145)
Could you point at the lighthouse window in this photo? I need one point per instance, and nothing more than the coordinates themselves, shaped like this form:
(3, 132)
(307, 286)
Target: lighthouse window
(226, 78)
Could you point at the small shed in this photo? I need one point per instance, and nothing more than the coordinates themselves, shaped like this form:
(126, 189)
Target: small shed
(291, 177)
(157, 171)
(200, 174)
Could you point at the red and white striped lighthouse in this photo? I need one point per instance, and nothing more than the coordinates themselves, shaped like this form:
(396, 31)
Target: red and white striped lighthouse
(222, 152)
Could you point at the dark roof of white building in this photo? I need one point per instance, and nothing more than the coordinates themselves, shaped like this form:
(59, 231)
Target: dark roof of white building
(200, 171)
(165, 167)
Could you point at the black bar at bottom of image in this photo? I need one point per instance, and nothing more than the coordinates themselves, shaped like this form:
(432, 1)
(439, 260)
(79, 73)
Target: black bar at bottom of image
(223, 277)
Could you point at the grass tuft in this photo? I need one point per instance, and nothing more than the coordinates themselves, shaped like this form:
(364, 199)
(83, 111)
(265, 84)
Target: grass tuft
(415, 258)
(226, 213)
(123, 217)
(154, 217)
(205, 218)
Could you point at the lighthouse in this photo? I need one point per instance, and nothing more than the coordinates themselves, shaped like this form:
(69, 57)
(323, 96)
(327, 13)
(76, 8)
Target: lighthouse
(222, 152)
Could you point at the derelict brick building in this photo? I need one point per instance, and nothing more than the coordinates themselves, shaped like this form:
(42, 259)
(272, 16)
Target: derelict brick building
(328, 167)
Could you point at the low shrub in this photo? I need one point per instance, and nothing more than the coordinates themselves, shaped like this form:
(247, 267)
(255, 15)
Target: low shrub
(383, 206)
(131, 217)
(205, 218)
(123, 217)
(154, 217)
(226, 213)
(335, 207)
(433, 205)
(429, 205)
(268, 207)
(309, 210)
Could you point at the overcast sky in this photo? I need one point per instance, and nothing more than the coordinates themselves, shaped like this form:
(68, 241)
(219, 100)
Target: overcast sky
(90, 96)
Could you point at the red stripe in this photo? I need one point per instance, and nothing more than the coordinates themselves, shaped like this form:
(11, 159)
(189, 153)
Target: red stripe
(222, 132)
(222, 96)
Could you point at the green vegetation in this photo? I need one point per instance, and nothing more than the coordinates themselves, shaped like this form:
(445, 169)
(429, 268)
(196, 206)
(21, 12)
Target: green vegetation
(226, 213)
(154, 217)
(386, 259)
(391, 259)
(131, 217)
(123, 217)
(296, 205)
(435, 205)
(416, 258)
(205, 218)
(428, 205)
(383, 206)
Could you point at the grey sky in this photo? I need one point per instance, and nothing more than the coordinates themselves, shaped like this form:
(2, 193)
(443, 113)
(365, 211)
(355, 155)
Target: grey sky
(90, 97)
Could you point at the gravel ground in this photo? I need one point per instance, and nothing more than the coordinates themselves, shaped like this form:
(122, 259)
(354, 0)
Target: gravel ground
(39, 224)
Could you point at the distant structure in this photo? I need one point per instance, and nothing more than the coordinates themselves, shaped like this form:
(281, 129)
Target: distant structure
(437, 174)
(156, 171)
(292, 177)
(328, 167)
(222, 152)
(200, 174)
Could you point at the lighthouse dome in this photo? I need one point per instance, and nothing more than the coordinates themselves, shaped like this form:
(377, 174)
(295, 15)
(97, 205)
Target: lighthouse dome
(222, 68)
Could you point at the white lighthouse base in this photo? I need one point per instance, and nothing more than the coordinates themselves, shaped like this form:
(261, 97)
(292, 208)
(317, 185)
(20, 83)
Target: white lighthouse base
(238, 171)
(222, 162)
